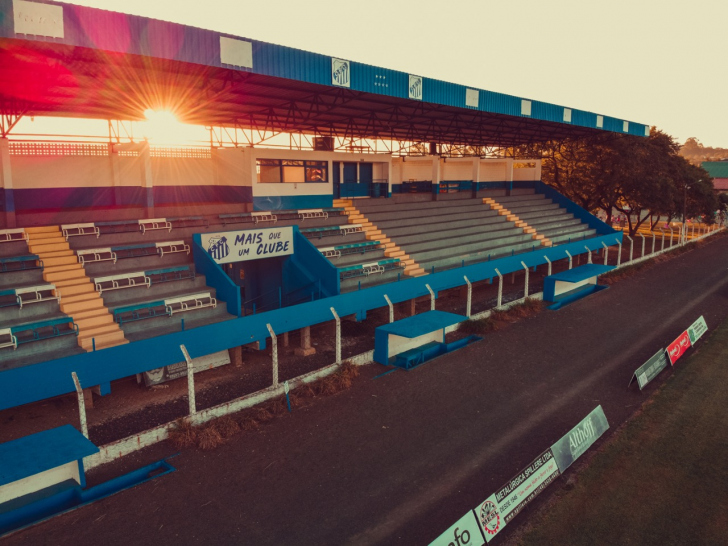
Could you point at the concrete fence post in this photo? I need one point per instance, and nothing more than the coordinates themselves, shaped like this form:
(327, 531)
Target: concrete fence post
(643, 245)
(391, 308)
(81, 404)
(432, 297)
(662, 247)
(619, 251)
(190, 381)
(525, 289)
(671, 237)
(549, 262)
(571, 260)
(653, 243)
(468, 305)
(606, 252)
(500, 288)
(338, 335)
(274, 353)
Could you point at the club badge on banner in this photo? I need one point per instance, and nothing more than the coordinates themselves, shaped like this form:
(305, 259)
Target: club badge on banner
(253, 244)
(697, 329)
(505, 504)
(678, 347)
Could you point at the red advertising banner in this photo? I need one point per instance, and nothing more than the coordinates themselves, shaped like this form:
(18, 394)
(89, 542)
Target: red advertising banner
(678, 347)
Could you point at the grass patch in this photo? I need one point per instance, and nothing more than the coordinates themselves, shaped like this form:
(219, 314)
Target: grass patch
(214, 433)
(662, 478)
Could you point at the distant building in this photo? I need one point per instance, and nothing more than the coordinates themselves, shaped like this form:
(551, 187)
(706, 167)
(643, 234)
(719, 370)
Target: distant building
(719, 171)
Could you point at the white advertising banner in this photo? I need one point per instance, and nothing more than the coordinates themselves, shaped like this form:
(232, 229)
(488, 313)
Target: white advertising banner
(253, 244)
(465, 532)
(502, 506)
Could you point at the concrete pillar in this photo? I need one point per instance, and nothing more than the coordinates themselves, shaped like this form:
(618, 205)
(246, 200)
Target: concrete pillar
(538, 170)
(236, 356)
(476, 174)
(285, 339)
(147, 179)
(6, 183)
(115, 175)
(435, 174)
(88, 398)
(413, 307)
(305, 349)
(509, 175)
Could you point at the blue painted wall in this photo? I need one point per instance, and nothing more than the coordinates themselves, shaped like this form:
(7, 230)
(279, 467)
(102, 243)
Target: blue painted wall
(226, 290)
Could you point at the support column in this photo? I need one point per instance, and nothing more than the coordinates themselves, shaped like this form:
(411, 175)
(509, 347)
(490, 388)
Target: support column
(476, 175)
(115, 176)
(500, 288)
(305, 349)
(338, 335)
(6, 183)
(432, 297)
(285, 339)
(236, 356)
(435, 176)
(413, 307)
(147, 179)
(391, 308)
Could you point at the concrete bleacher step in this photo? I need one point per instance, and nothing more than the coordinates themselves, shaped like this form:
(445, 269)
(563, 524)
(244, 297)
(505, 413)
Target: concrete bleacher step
(59, 254)
(65, 273)
(95, 321)
(44, 246)
(60, 260)
(103, 339)
(75, 289)
(83, 305)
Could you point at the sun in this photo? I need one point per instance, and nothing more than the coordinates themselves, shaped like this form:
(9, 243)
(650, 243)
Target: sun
(162, 128)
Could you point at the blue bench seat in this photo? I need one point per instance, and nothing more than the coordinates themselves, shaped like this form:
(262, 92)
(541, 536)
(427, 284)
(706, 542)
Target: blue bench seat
(135, 251)
(189, 221)
(11, 235)
(352, 248)
(417, 355)
(45, 329)
(141, 311)
(118, 226)
(20, 263)
(28, 294)
(169, 274)
(369, 268)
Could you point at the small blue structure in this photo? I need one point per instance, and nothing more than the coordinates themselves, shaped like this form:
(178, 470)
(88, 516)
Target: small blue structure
(412, 341)
(568, 286)
(42, 475)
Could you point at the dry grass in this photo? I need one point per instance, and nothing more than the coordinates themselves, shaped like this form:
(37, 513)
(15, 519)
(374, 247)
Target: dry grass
(216, 432)
(479, 326)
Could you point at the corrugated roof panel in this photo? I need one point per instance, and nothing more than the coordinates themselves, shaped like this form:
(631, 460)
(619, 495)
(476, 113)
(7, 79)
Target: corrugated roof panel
(121, 33)
(716, 169)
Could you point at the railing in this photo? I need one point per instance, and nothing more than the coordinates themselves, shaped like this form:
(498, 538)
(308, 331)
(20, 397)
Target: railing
(417, 186)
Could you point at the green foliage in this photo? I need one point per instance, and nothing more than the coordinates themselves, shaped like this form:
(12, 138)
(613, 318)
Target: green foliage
(641, 177)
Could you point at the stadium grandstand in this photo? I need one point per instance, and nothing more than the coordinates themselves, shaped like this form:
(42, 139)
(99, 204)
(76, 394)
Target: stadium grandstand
(114, 253)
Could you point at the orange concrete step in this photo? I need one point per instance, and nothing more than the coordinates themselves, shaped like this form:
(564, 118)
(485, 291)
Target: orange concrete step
(81, 306)
(38, 248)
(546, 242)
(62, 275)
(63, 260)
(103, 340)
(94, 322)
(414, 272)
(65, 267)
(82, 315)
(73, 282)
(76, 289)
(390, 253)
(42, 229)
(59, 254)
(81, 297)
(407, 261)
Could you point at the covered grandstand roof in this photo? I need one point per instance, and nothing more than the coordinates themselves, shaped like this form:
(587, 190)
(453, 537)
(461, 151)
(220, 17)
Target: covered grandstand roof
(66, 60)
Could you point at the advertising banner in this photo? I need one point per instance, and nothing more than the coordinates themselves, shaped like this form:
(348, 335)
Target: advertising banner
(697, 329)
(175, 371)
(572, 445)
(465, 532)
(253, 244)
(650, 369)
(678, 347)
(503, 505)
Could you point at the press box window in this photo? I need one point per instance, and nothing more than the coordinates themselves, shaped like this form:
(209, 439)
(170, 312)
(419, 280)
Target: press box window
(272, 171)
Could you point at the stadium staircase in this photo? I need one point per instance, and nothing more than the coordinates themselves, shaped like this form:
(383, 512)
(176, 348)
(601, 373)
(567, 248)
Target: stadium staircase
(79, 298)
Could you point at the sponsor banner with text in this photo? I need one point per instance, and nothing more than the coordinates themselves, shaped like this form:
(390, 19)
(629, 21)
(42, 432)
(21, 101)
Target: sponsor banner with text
(572, 445)
(697, 329)
(505, 504)
(253, 244)
(678, 347)
(650, 369)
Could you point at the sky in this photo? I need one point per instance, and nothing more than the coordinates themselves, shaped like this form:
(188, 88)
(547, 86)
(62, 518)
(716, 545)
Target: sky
(646, 61)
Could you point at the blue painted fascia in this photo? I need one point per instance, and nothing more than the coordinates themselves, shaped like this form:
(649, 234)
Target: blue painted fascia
(215, 276)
